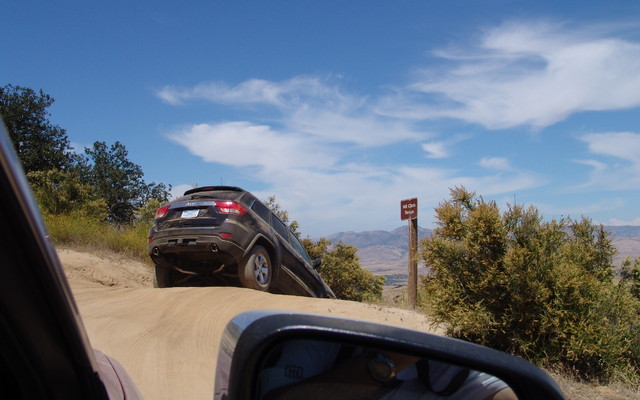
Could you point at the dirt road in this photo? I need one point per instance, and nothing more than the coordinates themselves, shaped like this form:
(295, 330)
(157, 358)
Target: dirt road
(168, 338)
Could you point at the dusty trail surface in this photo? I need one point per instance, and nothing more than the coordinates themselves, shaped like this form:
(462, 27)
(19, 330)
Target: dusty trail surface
(167, 339)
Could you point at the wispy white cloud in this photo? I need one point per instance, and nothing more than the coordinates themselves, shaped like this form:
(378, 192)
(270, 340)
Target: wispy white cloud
(623, 145)
(308, 106)
(495, 163)
(325, 187)
(368, 197)
(618, 167)
(524, 73)
(501, 183)
(317, 148)
(618, 222)
(442, 148)
(244, 144)
(584, 208)
(286, 94)
(436, 149)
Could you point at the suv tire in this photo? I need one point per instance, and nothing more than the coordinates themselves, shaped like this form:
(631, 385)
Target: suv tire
(162, 277)
(257, 271)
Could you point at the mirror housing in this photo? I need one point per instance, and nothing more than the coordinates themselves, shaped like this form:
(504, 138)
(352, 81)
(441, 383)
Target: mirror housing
(316, 262)
(251, 337)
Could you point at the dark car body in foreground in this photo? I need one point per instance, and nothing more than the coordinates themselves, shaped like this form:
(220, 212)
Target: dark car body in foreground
(44, 350)
(224, 235)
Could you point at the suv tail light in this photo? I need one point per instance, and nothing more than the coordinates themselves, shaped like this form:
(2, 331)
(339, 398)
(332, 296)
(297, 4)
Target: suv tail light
(230, 207)
(161, 212)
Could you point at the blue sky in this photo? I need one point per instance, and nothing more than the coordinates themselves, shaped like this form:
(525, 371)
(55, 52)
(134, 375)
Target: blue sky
(343, 108)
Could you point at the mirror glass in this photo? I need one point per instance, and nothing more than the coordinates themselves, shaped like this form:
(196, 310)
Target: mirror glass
(317, 369)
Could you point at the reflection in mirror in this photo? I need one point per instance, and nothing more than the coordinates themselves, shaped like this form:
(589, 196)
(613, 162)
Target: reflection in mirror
(317, 369)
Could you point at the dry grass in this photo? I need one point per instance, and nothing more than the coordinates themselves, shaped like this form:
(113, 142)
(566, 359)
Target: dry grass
(575, 390)
(82, 232)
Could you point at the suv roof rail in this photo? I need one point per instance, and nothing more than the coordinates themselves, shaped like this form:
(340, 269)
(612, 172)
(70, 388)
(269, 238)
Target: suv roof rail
(212, 188)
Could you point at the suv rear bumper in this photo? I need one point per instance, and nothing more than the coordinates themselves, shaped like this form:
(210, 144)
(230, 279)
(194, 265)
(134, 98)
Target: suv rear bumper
(194, 250)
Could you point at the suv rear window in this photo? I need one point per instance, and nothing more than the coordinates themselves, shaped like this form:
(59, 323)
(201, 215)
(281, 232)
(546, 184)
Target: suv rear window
(220, 195)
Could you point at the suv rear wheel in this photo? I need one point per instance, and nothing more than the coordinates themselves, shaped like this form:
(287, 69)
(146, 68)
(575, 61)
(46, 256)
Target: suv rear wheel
(162, 277)
(257, 271)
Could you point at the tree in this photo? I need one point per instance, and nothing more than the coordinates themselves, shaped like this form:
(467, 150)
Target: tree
(118, 180)
(541, 290)
(341, 270)
(630, 273)
(64, 181)
(40, 145)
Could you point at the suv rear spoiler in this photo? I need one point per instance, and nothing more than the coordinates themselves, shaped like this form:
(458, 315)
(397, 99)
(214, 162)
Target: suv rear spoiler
(213, 188)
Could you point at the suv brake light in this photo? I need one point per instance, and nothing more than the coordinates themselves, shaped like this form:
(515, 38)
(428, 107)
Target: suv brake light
(230, 207)
(162, 211)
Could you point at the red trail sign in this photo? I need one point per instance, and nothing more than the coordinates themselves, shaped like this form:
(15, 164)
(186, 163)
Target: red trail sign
(409, 209)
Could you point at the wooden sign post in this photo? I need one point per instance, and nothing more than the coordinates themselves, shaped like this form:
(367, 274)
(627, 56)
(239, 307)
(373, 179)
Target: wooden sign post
(409, 211)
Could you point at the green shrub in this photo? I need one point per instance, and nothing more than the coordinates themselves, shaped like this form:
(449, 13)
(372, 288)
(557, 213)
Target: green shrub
(541, 290)
(631, 276)
(341, 270)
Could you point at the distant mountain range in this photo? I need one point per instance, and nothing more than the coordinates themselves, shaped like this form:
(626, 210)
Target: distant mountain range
(385, 252)
(628, 231)
(397, 237)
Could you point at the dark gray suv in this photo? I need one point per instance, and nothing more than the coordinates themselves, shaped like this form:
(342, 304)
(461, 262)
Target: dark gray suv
(224, 235)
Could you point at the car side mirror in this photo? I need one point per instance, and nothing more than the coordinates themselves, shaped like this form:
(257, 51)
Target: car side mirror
(282, 355)
(317, 262)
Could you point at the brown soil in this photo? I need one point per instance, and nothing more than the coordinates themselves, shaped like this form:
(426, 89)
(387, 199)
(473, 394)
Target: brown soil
(167, 339)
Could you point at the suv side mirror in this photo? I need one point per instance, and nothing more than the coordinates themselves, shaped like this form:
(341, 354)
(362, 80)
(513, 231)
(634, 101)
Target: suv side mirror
(317, 262)
(281, 355)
